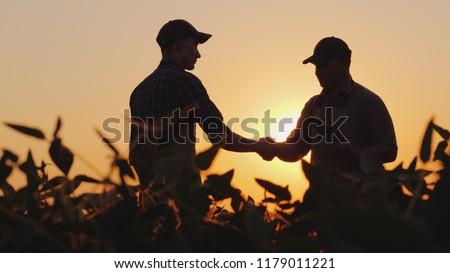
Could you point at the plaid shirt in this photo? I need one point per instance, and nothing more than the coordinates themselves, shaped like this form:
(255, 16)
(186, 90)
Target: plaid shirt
(170, 89)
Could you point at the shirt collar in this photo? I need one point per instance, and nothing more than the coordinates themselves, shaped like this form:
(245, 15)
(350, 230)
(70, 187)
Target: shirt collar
(170, 63)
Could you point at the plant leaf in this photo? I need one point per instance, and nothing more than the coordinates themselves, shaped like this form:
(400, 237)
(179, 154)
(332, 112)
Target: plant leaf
(312, 173)
(58, 126)
(399, 167)
(285, 206)
(445, 134)
(219, 186)
(30, 169)
(205, 158)
(270, 200)
(124, 168)
(54, 182)
(5, 169)
(105, 140)
(425, 149)
(413, 164)
(251, 200)
(85, 178)
(236, 202)
(61, 156)
(280, 192)
(27, 130)
(440, 150)
(9, 155)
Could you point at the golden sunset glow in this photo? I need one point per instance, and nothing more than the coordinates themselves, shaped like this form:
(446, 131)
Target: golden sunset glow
(80, 60)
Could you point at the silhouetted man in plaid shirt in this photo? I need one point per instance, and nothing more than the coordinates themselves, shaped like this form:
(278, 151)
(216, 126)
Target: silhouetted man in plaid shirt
(165, 109)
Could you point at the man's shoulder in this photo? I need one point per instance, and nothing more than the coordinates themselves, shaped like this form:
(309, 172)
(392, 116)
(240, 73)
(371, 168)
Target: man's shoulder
(189, 76)
(364, 93)
(312, 100)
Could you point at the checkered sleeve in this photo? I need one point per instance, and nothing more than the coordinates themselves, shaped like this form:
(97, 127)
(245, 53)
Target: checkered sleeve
(194, 95)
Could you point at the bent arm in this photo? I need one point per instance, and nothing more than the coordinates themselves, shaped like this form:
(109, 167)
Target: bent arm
(292, 152)
(237, 143)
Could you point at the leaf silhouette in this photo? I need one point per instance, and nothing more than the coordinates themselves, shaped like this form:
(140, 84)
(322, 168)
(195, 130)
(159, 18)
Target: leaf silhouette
(5, 169)
(8, 155)
(413, 164)
(124, 168)
(439, 153)
(219, 186)
(251, 200)
(312, 173)
(205, 158)
(61, 156)
(270, 200)
(399, 167)
(236, 202)
(58, 127)
(85, 178)
(445, 134)
(425, 149)
(105, 140)
(280, 192)
(30, 169)
(27, 130)
(284, 206)
(54, 182)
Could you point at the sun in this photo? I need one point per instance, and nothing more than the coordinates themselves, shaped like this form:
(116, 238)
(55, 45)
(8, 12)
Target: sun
(285, 122)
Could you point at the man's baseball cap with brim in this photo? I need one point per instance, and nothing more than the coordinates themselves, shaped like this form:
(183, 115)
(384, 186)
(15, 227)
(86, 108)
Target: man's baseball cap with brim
(176, 29)
(328, 49)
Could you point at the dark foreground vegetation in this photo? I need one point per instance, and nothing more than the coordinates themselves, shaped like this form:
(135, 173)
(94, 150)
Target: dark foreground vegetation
(381, 211)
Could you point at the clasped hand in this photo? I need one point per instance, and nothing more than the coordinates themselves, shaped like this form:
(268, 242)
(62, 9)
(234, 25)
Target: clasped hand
(267, 148)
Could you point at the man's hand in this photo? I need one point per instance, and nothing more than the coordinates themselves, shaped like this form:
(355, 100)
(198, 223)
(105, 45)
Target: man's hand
(267, 148)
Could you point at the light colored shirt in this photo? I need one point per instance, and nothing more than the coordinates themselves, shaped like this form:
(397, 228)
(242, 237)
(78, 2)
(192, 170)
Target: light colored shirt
(355, 115)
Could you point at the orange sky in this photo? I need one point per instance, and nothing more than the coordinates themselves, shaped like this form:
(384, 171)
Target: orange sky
(81, 59)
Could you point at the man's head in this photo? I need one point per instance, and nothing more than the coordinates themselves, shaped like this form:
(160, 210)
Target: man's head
(178, 39)
(332, 58)
(328, 49)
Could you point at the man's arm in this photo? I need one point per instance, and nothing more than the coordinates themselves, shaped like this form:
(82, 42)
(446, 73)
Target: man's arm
(286, 151)
(292, 152)
(381, 131)
(237, 143)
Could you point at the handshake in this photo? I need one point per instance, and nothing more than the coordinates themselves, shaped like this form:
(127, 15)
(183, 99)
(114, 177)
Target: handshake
(267, 148)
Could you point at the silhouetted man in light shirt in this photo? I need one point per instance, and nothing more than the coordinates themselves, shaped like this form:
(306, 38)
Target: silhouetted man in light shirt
(343, 121)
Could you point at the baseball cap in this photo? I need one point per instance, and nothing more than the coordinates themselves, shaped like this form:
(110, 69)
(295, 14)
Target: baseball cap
(179, 28)
(328, 49)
